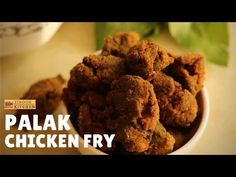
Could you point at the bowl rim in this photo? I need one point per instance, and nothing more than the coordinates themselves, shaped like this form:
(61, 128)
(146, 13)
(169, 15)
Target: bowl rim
(189, 145)
(185, 149)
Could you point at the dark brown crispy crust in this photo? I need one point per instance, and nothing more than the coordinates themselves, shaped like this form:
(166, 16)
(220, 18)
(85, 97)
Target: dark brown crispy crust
(178, 106)
(133, 89)
(136, 109)
(181, 111)
(95, 74)
(93, 113)
(47, 93)
(71, 99)
(135, 139)
(120, 43)
(189, 70)
(97, 71)
(162, 142)
(133, 98)
(180, 137)
(146, 58)
(141, 57)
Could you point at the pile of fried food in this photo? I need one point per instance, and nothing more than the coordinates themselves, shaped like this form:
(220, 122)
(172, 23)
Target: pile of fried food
(137, 90)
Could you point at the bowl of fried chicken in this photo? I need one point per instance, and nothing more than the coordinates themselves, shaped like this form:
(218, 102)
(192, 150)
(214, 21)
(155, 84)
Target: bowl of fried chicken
(153, 101)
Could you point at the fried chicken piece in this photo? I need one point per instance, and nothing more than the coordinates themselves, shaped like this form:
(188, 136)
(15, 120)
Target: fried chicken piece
(71, 98)
(136, 112)
(146, 57)
(182, 110)
(97, 72)
(162, 142)
(164, 87)
(47, 93)
(133, 98)
(93, 115)
(178, 107)
(135, 139)
(163, 84)
(120, 43)
(140, 59)
(180, 138)
(189, 70)
(93, 110)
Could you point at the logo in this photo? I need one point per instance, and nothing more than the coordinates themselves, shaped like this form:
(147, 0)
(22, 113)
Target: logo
(19, 104)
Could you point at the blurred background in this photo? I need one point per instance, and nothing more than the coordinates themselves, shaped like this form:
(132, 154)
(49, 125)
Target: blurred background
(33, 51)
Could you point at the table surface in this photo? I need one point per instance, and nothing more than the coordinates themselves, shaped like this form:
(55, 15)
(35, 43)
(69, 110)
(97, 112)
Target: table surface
(75, 40)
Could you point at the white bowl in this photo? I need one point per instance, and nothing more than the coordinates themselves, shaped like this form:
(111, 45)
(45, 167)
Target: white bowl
(20, 37)
(203, 102)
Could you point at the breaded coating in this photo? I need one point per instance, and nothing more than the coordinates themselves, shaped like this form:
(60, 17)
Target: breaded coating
(140, 59)
(93, 113)
(133, 98)
(135, 139)
(71, 98)
(163, 84)
(145, 58)
(136, 109)
(138, 91)
(180, 138)
(97, 71)
(47, 93)
(162, 142)
(178, 107)
(120, 43)
(181, 110)
(189, 70)
(95, 74)
(164, 87)
(164, 58)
